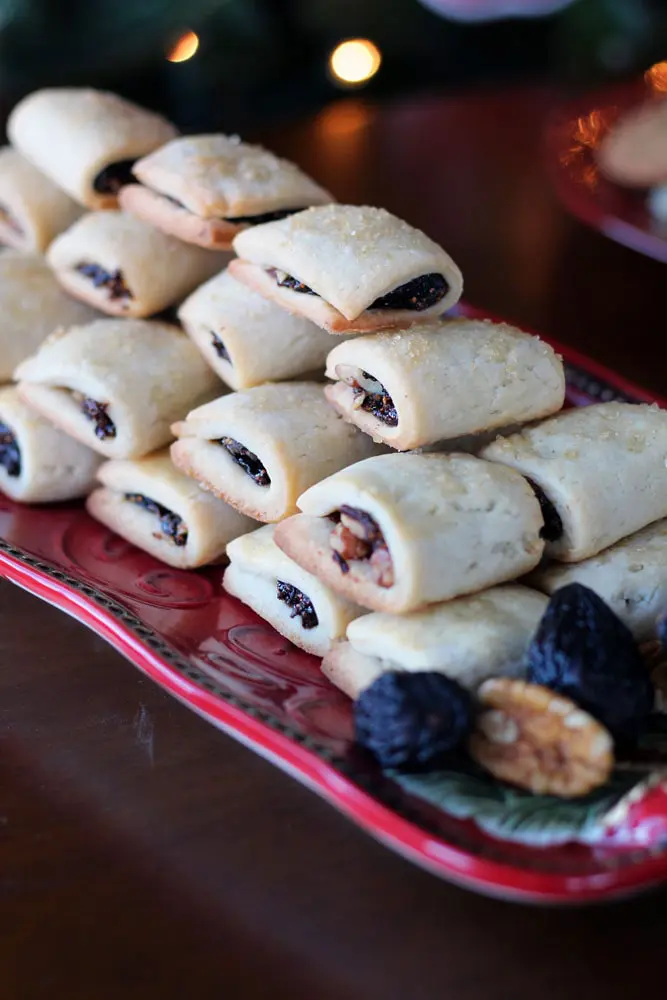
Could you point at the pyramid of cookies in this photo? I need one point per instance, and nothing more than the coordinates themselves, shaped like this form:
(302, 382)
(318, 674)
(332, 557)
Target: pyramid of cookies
(407, 519)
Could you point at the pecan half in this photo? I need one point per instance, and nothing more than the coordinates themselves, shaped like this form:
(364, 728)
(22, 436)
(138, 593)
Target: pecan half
(358, 536)
(538, 740)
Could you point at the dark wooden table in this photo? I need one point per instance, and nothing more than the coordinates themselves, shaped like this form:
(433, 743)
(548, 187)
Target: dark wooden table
(142, 853)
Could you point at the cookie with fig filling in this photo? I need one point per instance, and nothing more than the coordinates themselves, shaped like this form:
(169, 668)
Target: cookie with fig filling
(85, 141)
(247, 339)
(205, 189)
(117, 385)
(415, 387)
(32, 306)
(630, 576)
(125, 267)
(149, 503)
(348, 268)
(261, 448)
(468, 639)
(38, 463)
(296, 603)
(599, 472)
(398, 532)
(33, 210)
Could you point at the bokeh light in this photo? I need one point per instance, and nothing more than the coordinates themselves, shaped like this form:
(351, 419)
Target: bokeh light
(354, 62)
(656, 77)
(185, 48)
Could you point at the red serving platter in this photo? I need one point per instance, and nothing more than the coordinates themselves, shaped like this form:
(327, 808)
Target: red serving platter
(221, 660)
(573, 134)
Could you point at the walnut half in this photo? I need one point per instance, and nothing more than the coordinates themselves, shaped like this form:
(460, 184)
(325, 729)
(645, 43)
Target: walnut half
(536, 739)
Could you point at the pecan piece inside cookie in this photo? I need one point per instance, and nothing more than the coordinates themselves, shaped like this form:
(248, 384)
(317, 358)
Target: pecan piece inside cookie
(113, 281)
(172, 525)
(247, 460)
(369, 394)
(300, 604)
(358, 537)
(10, 453)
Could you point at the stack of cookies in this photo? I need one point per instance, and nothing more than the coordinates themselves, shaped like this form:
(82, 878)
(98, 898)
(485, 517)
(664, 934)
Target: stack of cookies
(401, 501)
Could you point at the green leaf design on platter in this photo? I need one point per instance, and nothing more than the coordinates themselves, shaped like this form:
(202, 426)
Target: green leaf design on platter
(511, 814)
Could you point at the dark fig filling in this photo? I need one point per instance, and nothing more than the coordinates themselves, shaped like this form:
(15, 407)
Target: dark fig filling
(114, 177)
(219, 348)
(553, 526)
(247, 460)
(374, 398)
(96, 412)
(300, 604)
(10, 453)
(242, 220)
(171, 524)
(113, 281)
(258, 220)
(358, 537)
(10, 221)
(416, 295)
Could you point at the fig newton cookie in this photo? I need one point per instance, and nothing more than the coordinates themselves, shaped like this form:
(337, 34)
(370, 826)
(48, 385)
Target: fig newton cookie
(125, 267)
(33, 210)
(247, 339)
(117, 385)
(261, 448)
(205, 189)
(294, 602)
(599, 471)
(397, 532)
(468, 639)
(32, 306)
(163, 512)
(38, 463)
(86, 141)
(348, 268)
(412, 388)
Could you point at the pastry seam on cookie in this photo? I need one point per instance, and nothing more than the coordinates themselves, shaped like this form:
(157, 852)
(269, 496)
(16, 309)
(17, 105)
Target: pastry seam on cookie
(357, 260)
(416, 529)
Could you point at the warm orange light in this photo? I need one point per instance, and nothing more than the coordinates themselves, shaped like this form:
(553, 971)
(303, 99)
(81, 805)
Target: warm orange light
(656, 77)
(185, 48)
(354, 62)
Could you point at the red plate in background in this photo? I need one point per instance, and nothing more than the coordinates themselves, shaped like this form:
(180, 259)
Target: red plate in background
(217, 657)
(573, 134)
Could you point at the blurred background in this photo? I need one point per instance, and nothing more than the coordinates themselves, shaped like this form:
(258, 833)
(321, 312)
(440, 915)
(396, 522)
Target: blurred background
(242, 64)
